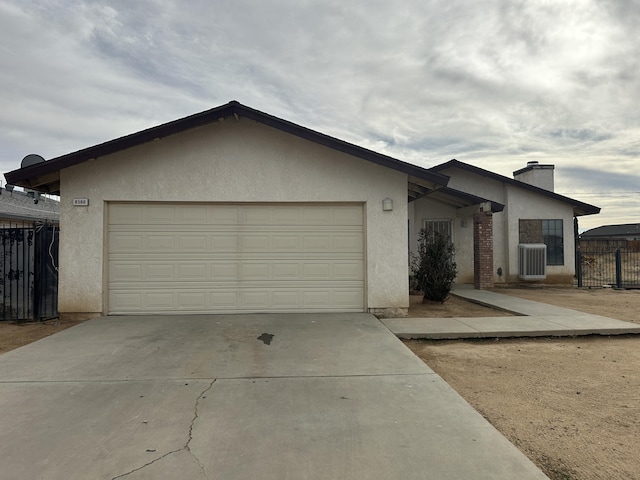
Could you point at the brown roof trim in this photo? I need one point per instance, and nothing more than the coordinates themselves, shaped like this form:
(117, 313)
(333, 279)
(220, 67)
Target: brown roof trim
(29, 176)
(579, 208)
(468, 198)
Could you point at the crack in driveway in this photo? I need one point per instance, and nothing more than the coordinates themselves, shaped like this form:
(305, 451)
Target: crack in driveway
(186, 447)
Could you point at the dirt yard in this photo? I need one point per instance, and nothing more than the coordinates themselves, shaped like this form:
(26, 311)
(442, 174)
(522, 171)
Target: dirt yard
(17, 334)
(572, 405)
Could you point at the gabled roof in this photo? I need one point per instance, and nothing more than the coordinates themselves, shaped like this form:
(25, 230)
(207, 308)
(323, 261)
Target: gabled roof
(613, 231)
(17, 205)
(579, 208)
(45, 177)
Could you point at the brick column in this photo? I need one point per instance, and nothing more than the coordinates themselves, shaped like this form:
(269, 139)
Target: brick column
(482, 250)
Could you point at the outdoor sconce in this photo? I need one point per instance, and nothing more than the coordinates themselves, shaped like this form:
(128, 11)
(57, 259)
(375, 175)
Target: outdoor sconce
(387, 205)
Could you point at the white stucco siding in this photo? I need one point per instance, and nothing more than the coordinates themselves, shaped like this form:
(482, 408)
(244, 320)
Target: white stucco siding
(528, 205)
(519, 204)
(232, 161)
(475, 184)
(427, 209)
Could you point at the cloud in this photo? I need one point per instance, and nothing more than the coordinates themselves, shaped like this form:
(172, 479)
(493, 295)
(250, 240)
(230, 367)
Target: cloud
(493, 83)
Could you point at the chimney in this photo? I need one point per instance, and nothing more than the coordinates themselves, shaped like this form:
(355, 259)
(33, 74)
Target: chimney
(537, 175)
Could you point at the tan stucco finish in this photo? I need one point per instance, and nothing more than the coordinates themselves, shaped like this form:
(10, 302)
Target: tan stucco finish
(231, 161)
(519, 204)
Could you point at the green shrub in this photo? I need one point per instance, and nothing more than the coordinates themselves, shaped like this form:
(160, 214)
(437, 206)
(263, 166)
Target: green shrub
(433, 268)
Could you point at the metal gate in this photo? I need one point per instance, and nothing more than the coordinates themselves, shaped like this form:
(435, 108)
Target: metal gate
(617, 268)
(29, 273)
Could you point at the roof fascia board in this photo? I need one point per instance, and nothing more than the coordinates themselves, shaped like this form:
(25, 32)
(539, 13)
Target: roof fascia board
(22, 175)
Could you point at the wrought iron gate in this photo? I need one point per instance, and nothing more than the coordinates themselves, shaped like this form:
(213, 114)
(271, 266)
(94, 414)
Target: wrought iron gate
(29, 273)
(617, 268)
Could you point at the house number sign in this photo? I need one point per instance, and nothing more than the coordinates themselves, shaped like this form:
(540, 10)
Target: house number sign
(80, 202)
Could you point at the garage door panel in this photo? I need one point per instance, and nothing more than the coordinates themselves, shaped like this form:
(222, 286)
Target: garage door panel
(193, 243)
(161, 214)
(192, 215)
(225, 300)
(222, 215)
(125, 214)
(348, 270)
(347, 243)
(286, 271)
(191, 271)
(235, 258)
(316, 243)
(255, 271)
(159, 301)
(126, 272)
(285, 300)
(126, 301)
(286, 243)
(348, 299)
(213, 270)
(254, 299)
(224, 271)
(191, 300)
(160, 272)
(287, 215)
(126, 242)
(348, 215)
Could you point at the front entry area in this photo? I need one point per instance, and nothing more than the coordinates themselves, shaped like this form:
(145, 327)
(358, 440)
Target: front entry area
(235, 258)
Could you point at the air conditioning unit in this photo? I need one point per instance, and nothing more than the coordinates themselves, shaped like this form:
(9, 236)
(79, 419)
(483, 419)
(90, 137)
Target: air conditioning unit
(532, 261)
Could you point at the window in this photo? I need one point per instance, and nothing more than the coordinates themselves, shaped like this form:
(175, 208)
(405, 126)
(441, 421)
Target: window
(549, 232)
(552, 238)
(443, 226)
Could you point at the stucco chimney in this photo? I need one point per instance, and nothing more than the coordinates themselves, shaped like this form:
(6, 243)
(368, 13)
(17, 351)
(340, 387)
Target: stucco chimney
(536, 174)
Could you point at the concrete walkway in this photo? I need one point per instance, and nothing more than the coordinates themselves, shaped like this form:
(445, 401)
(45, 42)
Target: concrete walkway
(233, 397)
(533, 319)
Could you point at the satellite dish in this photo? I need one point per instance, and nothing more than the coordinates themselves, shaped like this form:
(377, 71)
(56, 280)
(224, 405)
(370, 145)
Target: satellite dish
(31, 159)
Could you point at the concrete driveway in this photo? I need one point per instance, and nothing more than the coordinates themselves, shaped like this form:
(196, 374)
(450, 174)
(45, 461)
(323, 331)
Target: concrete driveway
(238, 397)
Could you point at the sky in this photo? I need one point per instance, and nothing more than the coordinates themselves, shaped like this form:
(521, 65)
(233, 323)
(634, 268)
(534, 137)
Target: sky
(491, 83)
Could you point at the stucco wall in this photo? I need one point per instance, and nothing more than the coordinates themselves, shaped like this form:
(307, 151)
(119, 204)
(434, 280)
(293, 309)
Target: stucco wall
(527, 205)
(231, 161)
(427, 209)
(519, 204)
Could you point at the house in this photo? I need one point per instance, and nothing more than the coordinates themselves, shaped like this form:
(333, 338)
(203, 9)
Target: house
(22, 209)
(532, 214)
(231, 210)
(628, 231)
(234, 210)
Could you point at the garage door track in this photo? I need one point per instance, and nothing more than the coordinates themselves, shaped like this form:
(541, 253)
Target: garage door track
(331, 396)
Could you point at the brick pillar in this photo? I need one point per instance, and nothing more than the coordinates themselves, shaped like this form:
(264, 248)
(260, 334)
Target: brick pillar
(482, 250)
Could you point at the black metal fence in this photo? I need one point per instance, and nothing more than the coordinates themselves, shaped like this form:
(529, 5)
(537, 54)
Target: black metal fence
(618, 268)
(28, 272)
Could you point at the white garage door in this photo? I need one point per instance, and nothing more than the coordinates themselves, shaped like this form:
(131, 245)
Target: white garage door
(202, 258)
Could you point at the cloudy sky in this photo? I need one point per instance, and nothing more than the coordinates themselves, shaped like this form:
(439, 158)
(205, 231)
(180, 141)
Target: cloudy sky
(492, 83)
